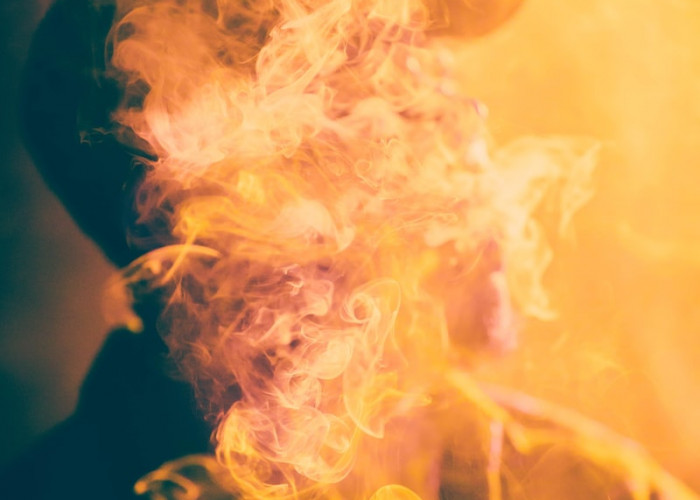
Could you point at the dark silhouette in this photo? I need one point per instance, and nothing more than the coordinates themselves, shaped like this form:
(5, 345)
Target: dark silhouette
(132, 415)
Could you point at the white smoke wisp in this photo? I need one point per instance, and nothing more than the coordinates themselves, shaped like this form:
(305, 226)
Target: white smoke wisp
(333, 229)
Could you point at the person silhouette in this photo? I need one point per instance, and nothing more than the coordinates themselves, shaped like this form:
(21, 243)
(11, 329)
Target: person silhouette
(132, 415)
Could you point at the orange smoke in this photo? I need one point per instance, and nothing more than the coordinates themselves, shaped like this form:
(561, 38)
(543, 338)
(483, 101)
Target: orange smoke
(338, 244)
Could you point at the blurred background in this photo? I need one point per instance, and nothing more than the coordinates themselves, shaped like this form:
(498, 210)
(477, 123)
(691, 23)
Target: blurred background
(625, 349)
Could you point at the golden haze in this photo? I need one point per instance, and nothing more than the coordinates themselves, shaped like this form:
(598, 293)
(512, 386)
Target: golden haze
(324, 180)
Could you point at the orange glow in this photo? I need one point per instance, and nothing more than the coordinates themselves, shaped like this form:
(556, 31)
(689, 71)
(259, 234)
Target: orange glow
(347, 254)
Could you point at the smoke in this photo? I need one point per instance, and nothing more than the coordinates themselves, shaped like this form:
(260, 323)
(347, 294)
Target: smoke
(333, 235)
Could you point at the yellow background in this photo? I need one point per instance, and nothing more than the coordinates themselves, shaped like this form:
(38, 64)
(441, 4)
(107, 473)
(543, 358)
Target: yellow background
(626, 281)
